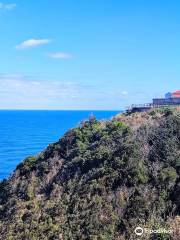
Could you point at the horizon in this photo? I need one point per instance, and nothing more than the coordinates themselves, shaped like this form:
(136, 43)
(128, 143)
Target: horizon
(95, 110)
(100, 55)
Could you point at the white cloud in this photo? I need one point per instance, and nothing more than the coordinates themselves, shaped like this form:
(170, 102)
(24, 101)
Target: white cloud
(7, 6)
(60, 55)
(32, 43)
(124, 93)
(26, 92)
(20, 92)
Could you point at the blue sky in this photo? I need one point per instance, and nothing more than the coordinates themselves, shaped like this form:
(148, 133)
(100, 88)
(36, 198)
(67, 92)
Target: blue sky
(77, 54)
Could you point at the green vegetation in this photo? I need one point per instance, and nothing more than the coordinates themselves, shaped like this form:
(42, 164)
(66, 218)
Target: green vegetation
(99, 182)
(27, 165)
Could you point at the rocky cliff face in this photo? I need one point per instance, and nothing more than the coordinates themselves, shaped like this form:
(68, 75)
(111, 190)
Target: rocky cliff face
(100, 181)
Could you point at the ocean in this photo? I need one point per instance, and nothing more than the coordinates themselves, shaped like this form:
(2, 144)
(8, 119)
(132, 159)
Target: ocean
(26, 133)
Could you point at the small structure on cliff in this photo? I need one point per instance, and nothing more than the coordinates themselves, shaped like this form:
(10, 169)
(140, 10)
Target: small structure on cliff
(170, 99)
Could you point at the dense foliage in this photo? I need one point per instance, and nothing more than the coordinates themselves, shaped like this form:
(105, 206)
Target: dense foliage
(100, 181)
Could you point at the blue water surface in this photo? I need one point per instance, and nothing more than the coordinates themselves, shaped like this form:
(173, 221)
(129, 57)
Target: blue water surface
(25, 133)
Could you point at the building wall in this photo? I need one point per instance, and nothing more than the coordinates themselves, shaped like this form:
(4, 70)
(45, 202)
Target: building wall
(166, 101)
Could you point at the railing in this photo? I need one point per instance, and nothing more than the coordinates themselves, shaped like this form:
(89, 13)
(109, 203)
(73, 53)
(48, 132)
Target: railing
(142, 105)
(150, 105)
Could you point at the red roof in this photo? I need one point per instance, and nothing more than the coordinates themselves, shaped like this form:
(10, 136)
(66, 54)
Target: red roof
(176, 94)
(178, 91)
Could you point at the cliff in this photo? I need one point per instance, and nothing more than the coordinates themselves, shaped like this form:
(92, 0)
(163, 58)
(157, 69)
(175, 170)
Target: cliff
(99, 181)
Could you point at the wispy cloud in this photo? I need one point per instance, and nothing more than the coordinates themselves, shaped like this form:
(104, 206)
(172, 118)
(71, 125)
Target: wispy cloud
(25, 92)
(60, 55)
(7, 6)
(32, 43)
(31, 92)
(124, 93)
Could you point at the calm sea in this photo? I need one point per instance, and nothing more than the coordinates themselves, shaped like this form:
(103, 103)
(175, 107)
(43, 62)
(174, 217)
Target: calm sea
(25, 133)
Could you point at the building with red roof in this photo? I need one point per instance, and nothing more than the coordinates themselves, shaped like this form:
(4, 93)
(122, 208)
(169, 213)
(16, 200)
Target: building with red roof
(170, 99)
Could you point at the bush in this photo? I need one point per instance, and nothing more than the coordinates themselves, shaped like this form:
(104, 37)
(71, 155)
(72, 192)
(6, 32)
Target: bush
(27, 165)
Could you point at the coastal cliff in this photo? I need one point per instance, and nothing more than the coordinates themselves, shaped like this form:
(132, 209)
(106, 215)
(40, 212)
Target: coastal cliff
(100, 181)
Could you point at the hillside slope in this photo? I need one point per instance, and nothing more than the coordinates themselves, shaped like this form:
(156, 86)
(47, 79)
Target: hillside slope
(100, 181)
